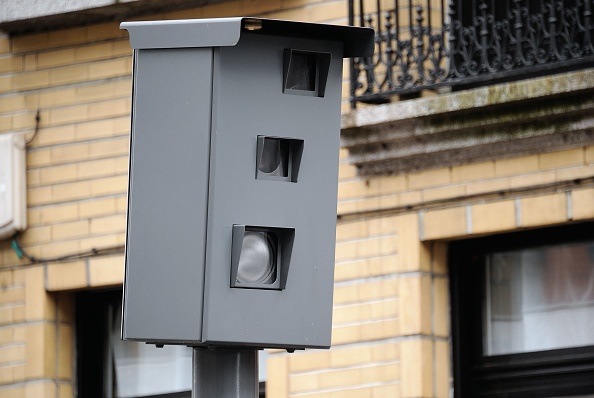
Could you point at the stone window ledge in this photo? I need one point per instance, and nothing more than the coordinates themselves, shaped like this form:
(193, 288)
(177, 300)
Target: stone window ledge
(491, 122)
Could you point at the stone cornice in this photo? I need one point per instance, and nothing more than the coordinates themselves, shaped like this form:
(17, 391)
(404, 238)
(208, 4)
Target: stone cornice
(503, 120)
(24, 16)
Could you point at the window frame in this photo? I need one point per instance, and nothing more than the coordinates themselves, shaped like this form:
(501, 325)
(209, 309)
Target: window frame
(92, 344)
(92, 340)
(552, 373)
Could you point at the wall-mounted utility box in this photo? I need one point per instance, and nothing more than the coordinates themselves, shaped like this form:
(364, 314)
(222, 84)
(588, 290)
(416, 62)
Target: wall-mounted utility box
(233, 181)
(13, 186)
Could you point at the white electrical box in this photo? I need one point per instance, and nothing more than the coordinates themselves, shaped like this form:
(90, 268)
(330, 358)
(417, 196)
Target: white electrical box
(13, 186)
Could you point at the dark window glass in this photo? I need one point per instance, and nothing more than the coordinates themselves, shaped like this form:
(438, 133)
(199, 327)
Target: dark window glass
(539, 298)
(110, 367)
(523, 314)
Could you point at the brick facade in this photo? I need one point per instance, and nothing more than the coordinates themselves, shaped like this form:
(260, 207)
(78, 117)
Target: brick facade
(391, 316)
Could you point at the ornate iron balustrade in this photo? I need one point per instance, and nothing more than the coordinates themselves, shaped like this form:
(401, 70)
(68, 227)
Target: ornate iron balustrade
(472, 42)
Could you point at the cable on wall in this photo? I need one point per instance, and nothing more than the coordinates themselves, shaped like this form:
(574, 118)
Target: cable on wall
(37, 120)
(21, 253)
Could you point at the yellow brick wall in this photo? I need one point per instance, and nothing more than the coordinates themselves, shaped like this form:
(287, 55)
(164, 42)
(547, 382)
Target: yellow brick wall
(391, 291)
(391, 326)
(79, 80)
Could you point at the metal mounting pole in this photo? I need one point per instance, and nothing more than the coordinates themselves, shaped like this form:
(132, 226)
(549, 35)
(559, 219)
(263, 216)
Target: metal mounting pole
(224, 373)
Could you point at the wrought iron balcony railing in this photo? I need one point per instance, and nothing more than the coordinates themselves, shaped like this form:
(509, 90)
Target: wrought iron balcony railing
(428, 44)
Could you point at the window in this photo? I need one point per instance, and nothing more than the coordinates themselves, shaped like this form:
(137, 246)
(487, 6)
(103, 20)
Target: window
(523, 314)
(110, 367)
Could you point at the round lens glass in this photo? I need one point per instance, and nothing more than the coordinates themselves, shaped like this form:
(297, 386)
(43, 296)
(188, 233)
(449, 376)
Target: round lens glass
(274, 156)
(257, 261)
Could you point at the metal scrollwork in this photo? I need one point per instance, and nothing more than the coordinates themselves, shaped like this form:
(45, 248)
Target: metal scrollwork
(473, 41)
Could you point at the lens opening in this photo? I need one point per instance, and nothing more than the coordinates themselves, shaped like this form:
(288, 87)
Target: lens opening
(274, 157)
(258, 258)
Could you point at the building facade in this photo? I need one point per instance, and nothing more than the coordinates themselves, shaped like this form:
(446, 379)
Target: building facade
(465, 216)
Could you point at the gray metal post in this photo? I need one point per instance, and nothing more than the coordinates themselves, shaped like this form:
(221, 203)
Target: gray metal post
(224, 373)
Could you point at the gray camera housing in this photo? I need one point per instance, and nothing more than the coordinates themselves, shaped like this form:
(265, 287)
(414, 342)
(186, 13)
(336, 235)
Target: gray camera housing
(205, 93)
